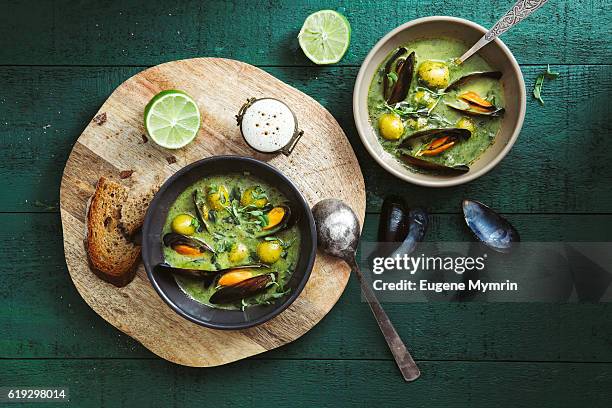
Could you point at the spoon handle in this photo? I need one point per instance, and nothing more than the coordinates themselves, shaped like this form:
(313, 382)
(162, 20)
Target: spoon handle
(404, 360)
(515, 15)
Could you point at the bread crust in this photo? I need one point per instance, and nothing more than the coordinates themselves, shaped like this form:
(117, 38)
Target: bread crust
(111, 256)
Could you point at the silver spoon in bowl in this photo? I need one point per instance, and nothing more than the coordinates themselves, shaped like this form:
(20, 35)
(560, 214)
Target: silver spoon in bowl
(515, 15)
(338, 233)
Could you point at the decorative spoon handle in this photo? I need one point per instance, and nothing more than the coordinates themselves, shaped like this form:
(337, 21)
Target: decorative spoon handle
(515, 15)
(404, 360)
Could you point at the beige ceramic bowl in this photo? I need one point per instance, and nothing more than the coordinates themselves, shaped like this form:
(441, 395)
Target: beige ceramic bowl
(496, 54)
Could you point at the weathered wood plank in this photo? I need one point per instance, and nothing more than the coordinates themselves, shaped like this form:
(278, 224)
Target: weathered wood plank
(147, 33)
(323, 383)
(561, 157)
(44, 317)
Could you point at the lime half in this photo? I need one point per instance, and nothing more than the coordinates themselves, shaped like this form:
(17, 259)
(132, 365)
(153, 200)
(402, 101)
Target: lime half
(172, 119)
(325, 37)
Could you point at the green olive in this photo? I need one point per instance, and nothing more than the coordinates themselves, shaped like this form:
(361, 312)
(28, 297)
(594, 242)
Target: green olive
(218, 197)
(253, 196)
(391, 126)
(238, 253)
(465, 123)
(184, 224)
(434, 74)
(422, 98)
(269, 251)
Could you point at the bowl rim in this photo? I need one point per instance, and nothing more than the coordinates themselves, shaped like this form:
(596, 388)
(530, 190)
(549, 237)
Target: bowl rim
(407, 175)
(276, 311)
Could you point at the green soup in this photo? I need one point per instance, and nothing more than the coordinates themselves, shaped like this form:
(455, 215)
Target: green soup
(426, 104)
(239, 212)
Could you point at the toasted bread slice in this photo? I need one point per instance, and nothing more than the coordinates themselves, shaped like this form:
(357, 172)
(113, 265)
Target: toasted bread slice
(134, 209)
(112, 257)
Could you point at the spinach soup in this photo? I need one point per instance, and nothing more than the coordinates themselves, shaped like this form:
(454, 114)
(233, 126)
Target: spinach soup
(429, 112)
(231, 241)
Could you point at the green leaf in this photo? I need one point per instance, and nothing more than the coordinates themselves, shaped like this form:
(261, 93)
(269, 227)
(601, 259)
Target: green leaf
(263, 220)
(195, 223)
(259, 193)
(392, 77)
(234, 212)
(550, 74)
(539, 83)
(274, 239)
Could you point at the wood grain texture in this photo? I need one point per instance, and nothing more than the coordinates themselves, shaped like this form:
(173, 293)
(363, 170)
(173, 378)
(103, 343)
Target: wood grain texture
(320, 166)
(60, 325)
(136, 32)
(560, 157)
(318, 383)
(561, 164)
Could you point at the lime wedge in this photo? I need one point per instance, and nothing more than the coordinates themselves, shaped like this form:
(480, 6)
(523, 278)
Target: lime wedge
(172, 119)
(325, 37)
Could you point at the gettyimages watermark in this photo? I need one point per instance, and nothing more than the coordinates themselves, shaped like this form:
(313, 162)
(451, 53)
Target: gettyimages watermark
(468, 271)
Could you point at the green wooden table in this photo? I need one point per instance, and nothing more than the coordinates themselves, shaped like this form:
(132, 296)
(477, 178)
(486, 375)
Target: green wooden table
(59, 60)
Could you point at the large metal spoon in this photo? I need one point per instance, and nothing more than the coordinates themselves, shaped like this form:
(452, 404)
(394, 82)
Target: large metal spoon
(515, 15)
(338, 235)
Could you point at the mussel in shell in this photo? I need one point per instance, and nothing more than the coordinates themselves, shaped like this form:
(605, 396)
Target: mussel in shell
(418, 221)
(207, 275)
(390, 70)
(435, 141)
(398, 76)
(234, 276)
(184, 245)
(490, 228)
(474, 109)
(470, 102)
(435, 167)
(467, 78)
(393, 226)
(242, 289)
(205, 215)
(446, 135)
(279, 218)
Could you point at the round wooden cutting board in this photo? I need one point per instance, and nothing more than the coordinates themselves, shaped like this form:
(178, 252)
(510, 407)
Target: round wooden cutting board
(322, 165)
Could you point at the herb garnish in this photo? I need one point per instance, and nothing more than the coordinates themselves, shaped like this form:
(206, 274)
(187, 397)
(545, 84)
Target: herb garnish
(259, 193)
(195, 223)
(266, 298)
(404, 109)
(537, 89)
(234, 211)
(224, 245)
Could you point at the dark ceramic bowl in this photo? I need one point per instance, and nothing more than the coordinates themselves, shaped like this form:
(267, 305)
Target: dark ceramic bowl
(152, 251)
